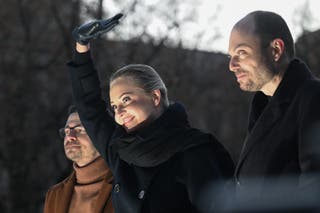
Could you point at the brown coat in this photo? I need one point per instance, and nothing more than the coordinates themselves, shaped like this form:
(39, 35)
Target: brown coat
(59, 196)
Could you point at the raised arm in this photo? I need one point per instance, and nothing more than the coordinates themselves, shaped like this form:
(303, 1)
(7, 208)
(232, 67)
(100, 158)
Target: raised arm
(87, 98)
(86, 84)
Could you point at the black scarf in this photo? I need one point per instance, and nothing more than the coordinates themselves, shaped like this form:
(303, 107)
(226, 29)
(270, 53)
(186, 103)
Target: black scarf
(156, 143)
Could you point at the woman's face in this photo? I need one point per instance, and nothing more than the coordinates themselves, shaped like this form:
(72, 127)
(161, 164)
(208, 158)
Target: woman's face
(132, 106)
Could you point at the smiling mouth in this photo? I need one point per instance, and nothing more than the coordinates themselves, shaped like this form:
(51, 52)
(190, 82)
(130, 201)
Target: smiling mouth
(241, 76)
(127, 120)
(72, 146)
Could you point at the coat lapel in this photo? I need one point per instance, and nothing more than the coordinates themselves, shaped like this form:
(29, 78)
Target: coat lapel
(268, 113)
(262, 127)
(103, 203)
(65, 195)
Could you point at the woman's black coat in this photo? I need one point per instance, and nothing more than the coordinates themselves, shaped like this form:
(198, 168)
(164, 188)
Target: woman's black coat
(185, 172)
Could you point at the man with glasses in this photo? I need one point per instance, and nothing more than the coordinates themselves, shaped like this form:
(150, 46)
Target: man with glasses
(88, 188)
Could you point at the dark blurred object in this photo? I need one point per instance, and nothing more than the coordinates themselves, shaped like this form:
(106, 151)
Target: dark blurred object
(282, 196)
(305, 49)
(94, 29)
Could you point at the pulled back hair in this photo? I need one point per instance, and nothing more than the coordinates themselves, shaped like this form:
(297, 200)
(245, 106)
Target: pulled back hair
(145, 77)
(268, 26)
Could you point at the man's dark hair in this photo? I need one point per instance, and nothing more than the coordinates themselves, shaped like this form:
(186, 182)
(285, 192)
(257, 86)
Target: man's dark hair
(72, 109)
(269, 26)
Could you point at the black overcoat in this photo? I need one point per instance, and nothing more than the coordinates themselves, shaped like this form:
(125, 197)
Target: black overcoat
(283, 139)
(185, 182)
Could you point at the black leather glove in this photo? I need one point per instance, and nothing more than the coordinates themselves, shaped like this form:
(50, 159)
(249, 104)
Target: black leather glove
(92, 30)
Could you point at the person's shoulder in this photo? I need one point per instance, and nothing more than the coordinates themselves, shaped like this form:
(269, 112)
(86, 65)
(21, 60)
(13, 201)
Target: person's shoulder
(206, 152)
(203, 145)
(62, 184)
(200, 139)
(313, 85)
(310, 90)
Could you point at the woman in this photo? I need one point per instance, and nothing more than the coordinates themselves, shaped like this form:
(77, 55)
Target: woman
(159, 163)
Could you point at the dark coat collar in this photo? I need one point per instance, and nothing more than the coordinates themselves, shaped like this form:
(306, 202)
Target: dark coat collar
(173, 117)
(157, 142)
(296, 74)
(266, 111)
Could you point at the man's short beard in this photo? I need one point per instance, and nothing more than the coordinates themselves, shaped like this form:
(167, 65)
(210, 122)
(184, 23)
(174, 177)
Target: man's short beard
(74, 155)
(268, 61)
(264, 76)
(250, 87)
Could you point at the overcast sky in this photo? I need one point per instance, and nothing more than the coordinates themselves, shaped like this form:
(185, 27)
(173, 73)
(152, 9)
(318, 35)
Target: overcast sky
(230, 11)
(216, 16)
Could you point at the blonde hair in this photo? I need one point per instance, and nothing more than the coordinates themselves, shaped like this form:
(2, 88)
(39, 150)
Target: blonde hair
(144, 77)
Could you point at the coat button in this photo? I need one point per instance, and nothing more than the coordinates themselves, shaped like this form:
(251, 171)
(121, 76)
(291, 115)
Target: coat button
(141, 194)
(117, 188)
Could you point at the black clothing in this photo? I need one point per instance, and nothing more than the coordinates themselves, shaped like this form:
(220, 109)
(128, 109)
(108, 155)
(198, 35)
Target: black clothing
(158, 142)
(164, 167)
(283, 139)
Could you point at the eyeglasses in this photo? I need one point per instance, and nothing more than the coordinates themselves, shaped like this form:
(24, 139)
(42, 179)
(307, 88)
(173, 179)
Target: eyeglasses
(78, 130)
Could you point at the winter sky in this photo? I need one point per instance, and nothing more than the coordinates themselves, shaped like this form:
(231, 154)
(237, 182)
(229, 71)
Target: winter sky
(216, 17)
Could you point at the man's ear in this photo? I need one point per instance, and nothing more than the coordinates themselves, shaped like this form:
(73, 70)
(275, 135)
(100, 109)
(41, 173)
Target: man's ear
(156, 97)
(278, 47)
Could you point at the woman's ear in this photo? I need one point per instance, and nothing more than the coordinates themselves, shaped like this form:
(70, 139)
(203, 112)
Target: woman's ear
(156, 97)
(277, 48)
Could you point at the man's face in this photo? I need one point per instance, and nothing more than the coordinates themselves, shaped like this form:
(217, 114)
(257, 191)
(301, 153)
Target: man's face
(251, 66)
(77, 144)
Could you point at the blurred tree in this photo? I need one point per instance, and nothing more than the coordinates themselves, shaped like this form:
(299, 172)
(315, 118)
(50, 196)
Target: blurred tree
(306, 43)
(303, 17)
(35, 98)
(306, 49)
(36, 92)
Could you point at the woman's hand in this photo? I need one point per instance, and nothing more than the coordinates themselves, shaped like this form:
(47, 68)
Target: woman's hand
(82, 48)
